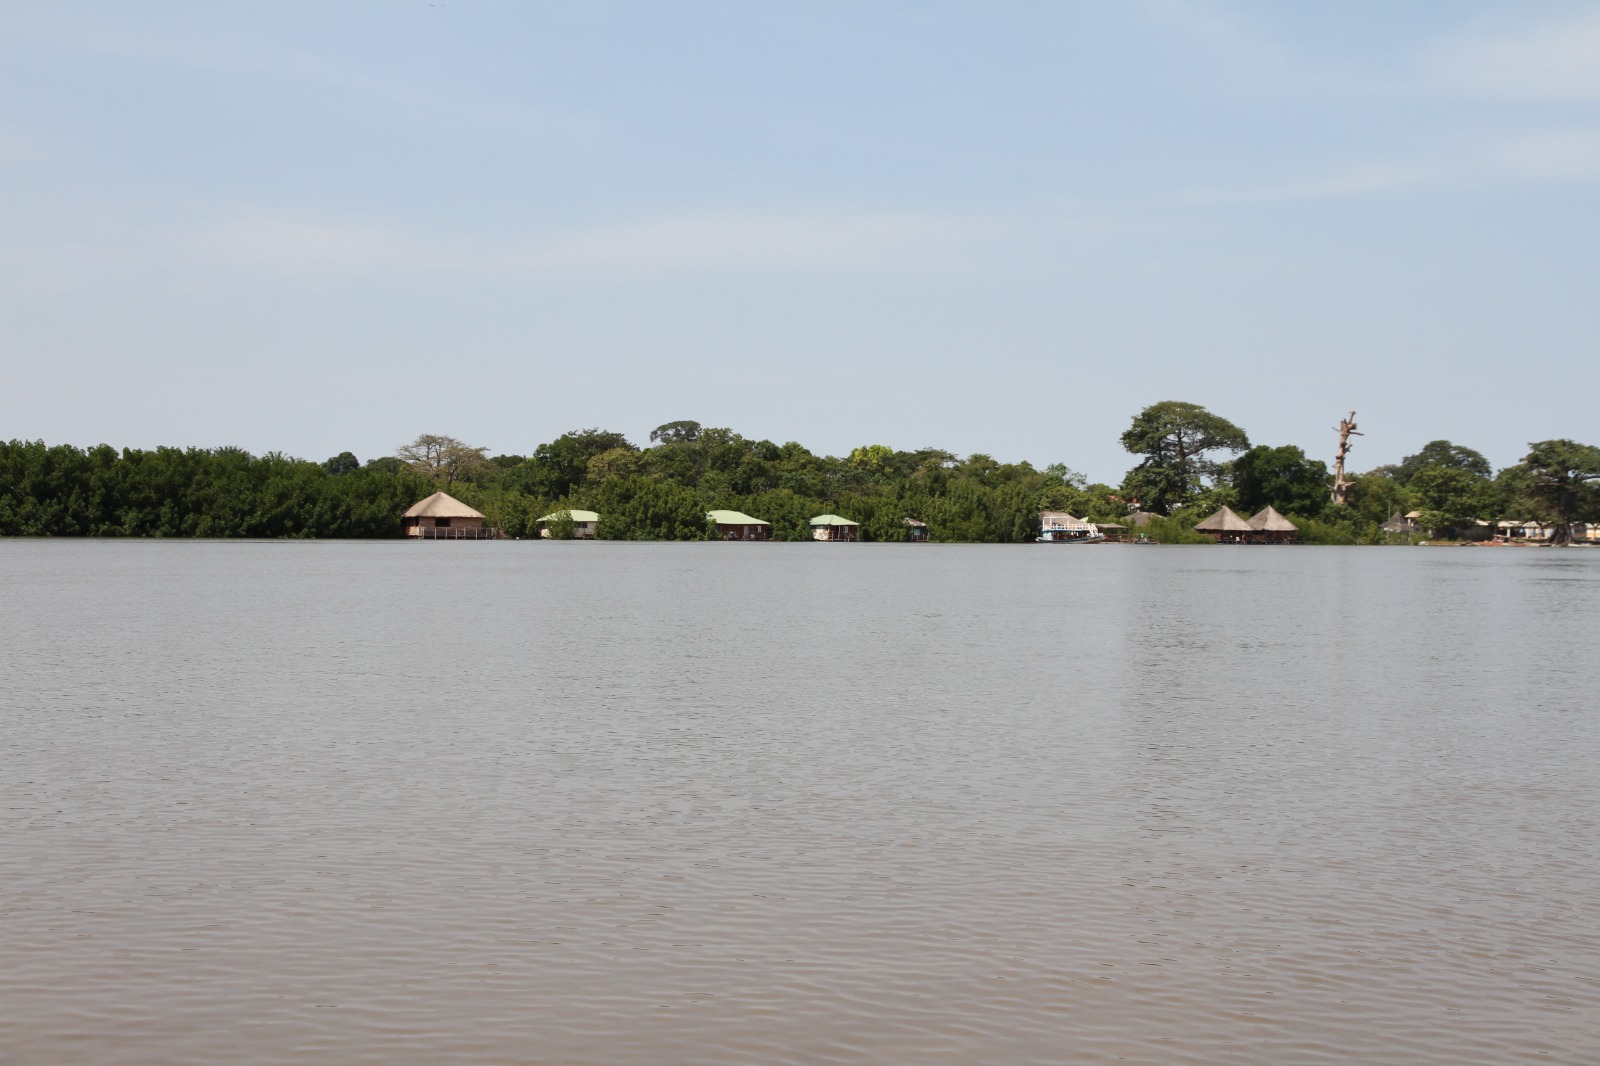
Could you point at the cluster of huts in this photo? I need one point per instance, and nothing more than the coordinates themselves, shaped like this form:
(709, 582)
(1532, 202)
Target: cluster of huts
(736, 525)
(1266, 526)
(1505, 531)
(443, 517)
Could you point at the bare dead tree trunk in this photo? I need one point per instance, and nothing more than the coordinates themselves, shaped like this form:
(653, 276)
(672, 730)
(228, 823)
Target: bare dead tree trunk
(1341, 485)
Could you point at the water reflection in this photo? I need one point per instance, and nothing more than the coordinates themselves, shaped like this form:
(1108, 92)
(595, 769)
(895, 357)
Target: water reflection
(675, 803)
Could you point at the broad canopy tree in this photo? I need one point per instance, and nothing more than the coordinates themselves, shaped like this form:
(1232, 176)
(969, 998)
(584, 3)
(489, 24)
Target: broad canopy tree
(1564, 476)
(441, 458)
(1445, 454)
(1177, 440)
(1282, 477)
(1450, 497)
(681, 432)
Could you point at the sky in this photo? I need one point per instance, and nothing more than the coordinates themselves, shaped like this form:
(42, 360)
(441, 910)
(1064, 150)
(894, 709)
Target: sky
(986, 227)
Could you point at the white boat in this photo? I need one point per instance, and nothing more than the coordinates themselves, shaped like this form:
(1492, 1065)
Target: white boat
(1057, 527)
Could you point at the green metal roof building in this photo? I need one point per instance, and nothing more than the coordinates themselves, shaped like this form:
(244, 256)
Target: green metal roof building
(833, 528)
(583, 523)
(736, 525)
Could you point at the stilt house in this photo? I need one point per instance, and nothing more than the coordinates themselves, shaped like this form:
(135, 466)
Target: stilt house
(1225, 527)
(1272, 528)
(443, 517)
(832, 527)
(736, 525)
(583, 523)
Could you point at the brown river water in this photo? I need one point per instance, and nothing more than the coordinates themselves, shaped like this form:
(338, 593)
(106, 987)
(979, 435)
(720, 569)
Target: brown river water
(475, 803)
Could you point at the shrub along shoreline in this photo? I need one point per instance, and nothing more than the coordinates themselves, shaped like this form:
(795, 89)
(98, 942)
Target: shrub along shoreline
(662, 491)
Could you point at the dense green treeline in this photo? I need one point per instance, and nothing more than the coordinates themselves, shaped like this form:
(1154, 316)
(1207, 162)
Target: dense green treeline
(1192, 462)
(172, 492)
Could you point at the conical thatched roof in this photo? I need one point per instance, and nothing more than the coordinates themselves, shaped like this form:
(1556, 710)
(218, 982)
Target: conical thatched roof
(1268, 520)
(1226, 520)
(1141, 518)
(441, 505)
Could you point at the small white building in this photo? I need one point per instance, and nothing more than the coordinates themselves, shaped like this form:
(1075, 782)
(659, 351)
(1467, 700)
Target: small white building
(1512, 529)
(584, 523)
(832, 527)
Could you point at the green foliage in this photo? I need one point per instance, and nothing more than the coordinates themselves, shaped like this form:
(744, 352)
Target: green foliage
(560, 467)
(1371, 500)
(1208, 502)
(168, 492)
(1176, 440)
(663, 492)
(562, 527)
(1173, 530)
(343, 463)
(1449, 497)
(642, 509)
(1314, 532)
(1564, 477)
(873, 458)
(1280, 477)
(1442, 453)
(676, 433)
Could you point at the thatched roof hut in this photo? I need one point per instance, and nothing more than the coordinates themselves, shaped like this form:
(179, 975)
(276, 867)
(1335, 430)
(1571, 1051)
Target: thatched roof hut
(916, 530)
(1225, 526)
(1399, 523)
(1272, 528)
(443, 517)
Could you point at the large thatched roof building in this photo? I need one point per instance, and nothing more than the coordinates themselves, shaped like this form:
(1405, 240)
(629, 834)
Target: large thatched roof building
(1225, 526)
(1272, 528)
(443, 517)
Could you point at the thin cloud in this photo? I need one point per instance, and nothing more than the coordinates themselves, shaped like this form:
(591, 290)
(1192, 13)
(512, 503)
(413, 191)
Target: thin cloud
(1554, 156)
(671, 246)
(1553, 60)
(722, 242)
(253, 57)
(1551, 156)
(1360, 180)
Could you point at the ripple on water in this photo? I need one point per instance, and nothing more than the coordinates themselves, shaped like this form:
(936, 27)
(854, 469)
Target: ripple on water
(606, 804)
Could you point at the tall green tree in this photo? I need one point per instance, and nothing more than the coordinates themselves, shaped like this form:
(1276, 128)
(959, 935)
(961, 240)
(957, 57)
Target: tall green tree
(1282, 477)
(1178, 441)
(559, 467)
(1564, 475)
(1450, 497)
(681, 432)
(1442, 453)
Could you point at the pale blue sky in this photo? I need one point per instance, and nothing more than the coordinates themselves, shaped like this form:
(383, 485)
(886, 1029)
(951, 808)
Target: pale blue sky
(316, 227)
